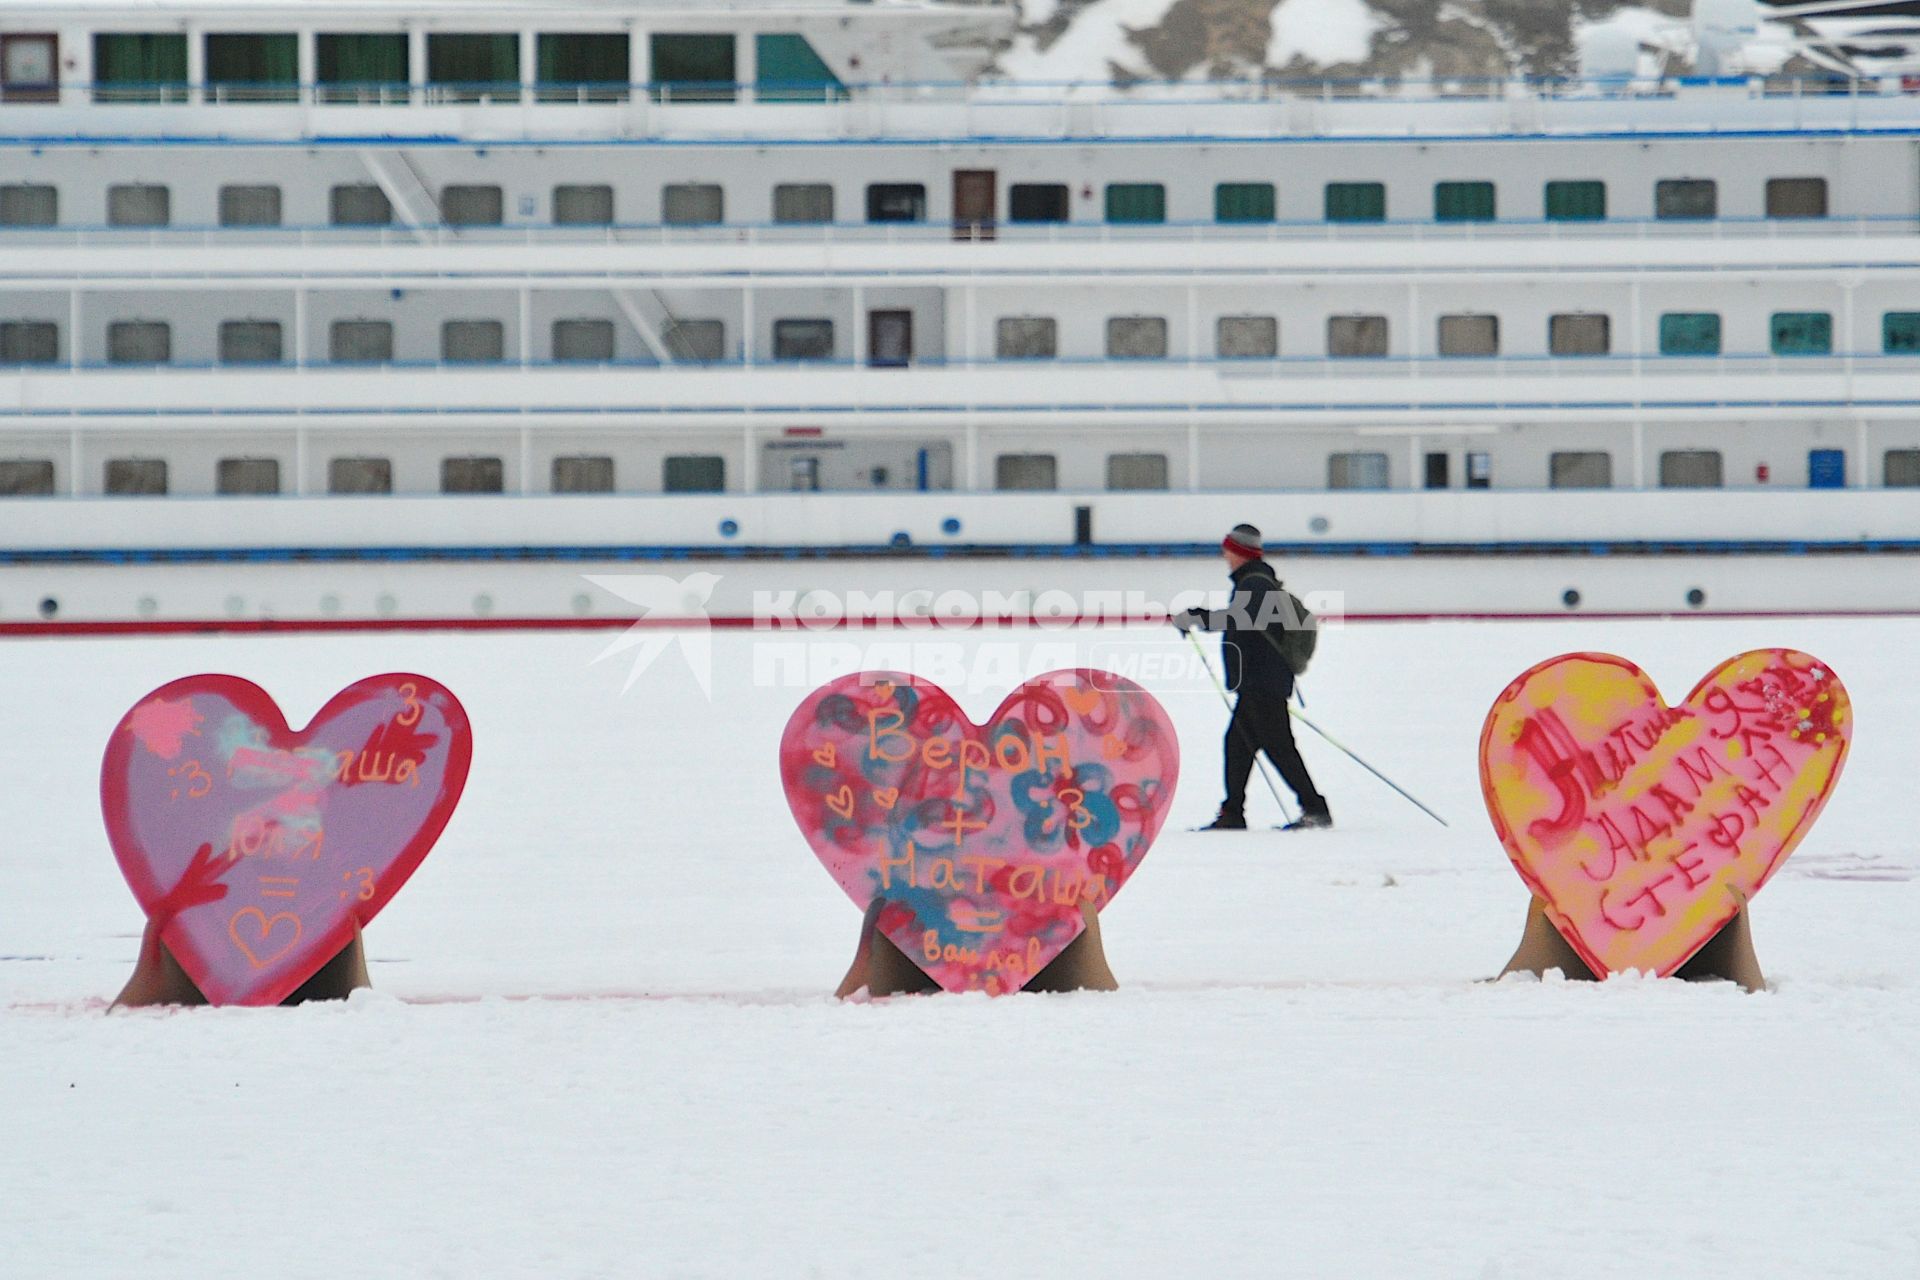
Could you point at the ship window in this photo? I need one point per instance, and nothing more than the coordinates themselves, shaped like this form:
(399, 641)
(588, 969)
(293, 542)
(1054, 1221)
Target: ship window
(471, 67)
(1469, 335)
(361, 66)
(472, 475)
(1026, 338)
(1037, 202)
(1356, 202)
(473, 341)
(1801, 333)
(582, 206)
(139, 342)
(803, 339)
(240, 476)
(29, 342)
(693, 68)
(1131, 472)
(29, 67)
(1026, 471)
(1356, 471)
(1136, 202)
(588, 340)
(253, 68)
(1690, 333)
(1579, 334)
(1900, 333)
(1136, 337)
(138, 205)
(236, 477)
(803, 202)
(136, 477)
(360, 341)
(1576, 201)
(1685, 198)
(696, 340)
(692, 204)
(359, 205)
(1351, 336)
(592, 66)
(1796, 197)
(1690, 469)
(896, 202)
(1580, 470)
(139, 68)
(471, 206)
(790, 71)
(1247, 337)
(583, 474)
(22, 205)
(250, 342)
(694, 473)
(26, 477)
(1901, 469)
(1243, 202)
(1463, 202)
(360, 475)
(249, 206)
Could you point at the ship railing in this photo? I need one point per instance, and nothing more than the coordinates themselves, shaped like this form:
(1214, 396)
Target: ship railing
(989, 92)
(1384, 368)
(1208, 231)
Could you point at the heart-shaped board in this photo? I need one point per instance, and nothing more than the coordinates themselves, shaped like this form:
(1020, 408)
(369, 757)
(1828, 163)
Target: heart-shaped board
(1643, 827)
(258, 850)
(983, 839)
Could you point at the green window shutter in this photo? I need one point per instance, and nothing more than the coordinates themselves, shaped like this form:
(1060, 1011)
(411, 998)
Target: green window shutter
(1243, 202)
(1900, 333)
(478, 63)
(1690, 333)
(371, 58)
(254, 68)
(1576, 201)
(788, 70)
(1463, 202)
(693, 68)
(1356, 202)
(1136, 202)
(1802, 333)
(140, 68)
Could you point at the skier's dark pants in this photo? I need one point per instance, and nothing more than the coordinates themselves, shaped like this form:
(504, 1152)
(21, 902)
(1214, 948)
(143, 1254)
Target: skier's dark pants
(1262, 724)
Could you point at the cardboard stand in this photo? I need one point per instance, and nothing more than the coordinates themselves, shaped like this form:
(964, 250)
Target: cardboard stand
(1727, 957)
(882, 969)
(158, 978)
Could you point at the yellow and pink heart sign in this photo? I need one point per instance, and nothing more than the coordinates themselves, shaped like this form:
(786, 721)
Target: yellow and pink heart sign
(1644, 827)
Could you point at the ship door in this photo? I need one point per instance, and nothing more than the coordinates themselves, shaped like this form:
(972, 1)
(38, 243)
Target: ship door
(975, 197)
(1826, 469)
(29, 68)
(803, 475)
(889, 339)
(933, 468)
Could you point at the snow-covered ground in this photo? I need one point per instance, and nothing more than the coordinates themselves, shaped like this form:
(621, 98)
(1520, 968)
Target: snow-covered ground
(600, 1042)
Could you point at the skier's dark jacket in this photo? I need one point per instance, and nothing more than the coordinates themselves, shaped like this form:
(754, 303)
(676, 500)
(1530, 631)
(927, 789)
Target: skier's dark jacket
(1253, 653)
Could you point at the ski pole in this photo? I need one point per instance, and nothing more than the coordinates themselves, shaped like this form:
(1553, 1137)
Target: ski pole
(1258, 763)
(1343, 749)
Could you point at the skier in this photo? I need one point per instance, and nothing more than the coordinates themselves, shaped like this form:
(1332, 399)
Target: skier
(1267, 638)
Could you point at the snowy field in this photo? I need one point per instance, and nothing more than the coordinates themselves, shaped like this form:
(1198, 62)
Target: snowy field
(601, 1043)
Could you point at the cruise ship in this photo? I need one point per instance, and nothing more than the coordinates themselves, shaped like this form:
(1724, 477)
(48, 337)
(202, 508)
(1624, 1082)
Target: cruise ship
(416, 314)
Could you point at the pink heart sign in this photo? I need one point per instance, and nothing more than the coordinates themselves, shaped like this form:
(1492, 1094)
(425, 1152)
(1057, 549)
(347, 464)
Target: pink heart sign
(1642, 827)
(984, 840)
(258, 850)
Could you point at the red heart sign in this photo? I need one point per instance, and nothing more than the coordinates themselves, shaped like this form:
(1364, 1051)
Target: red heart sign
(1643, 828)
(983, 839)
(257, 850)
